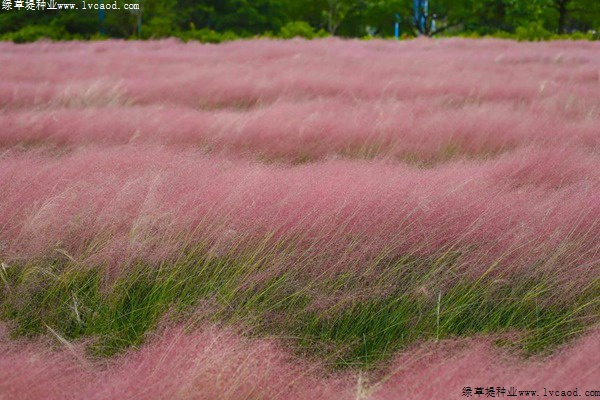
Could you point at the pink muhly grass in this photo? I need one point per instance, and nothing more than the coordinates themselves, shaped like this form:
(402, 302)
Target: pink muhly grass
(305, 154)
(208, 364)
(443, 370)
(260, 71)
(257, 96)
(117, 204)
(310, 130)
(478, 158)
(215, 363)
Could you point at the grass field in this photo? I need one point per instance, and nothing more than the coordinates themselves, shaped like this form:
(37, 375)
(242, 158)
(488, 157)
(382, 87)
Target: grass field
(298, 219)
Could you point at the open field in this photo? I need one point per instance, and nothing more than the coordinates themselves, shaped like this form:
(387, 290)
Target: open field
(298, 220)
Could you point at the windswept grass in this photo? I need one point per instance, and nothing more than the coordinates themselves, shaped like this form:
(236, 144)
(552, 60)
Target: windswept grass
(349, 331)
(368, 206)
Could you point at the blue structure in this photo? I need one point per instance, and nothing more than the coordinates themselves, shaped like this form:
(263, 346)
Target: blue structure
(421, 8)
(101, 18)
(397, 27)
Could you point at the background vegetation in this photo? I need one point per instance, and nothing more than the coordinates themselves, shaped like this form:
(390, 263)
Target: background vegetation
(214, 21)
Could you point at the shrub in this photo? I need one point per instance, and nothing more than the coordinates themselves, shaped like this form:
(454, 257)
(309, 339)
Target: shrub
(580, 36)
(534, 31)
(297, 29)
(32, 33)
(206, 35)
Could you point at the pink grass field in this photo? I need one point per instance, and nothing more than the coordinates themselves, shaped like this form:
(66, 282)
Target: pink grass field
(218, 364)
(304, 100)
(138, 202)
(324, 155)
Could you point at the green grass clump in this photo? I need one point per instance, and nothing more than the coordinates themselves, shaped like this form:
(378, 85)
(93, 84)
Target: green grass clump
(313, 316)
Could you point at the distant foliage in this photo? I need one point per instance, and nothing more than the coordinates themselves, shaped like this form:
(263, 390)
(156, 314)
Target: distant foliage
(207, 36)
(31, 33)
(299, 29)
(533, 31)
(526, 20)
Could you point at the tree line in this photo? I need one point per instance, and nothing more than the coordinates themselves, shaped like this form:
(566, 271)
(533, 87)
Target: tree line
(217, 20)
